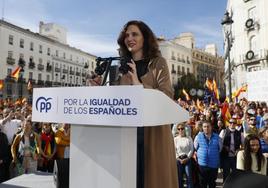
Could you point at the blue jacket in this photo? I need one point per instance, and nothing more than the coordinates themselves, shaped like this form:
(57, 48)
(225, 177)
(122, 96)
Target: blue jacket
(208, 150)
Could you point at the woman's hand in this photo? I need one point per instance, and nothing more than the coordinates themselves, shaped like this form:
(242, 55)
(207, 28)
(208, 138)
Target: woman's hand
(132, 74)
(96, 80)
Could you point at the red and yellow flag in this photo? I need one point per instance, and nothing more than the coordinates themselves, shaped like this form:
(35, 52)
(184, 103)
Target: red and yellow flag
(215, 89)
(1, 84)
(239, 91)
(186, 95)
(209, 84)
(15, 74)
(226, 115)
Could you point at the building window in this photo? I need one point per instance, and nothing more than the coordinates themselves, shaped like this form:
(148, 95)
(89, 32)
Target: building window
(48, 78)
(64, 56)
(39, 76)
(188, 70)
(40, 61)
(48, 51)
(10, 54)
(21, 43)
(178, 69)
(57, 53)
(173, 56)
(30, 75)
(9, 71)
(253, 43)
(40, 49)
(183, 70)
(10, 39)
(252, 13)
(71, 57)
(31, 46)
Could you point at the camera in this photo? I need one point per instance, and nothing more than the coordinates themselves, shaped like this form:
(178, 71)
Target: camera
(124, 67)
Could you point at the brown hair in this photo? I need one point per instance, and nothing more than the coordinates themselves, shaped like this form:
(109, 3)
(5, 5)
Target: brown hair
(150, 45)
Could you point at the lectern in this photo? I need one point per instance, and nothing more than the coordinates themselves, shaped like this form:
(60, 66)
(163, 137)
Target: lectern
(104, 128)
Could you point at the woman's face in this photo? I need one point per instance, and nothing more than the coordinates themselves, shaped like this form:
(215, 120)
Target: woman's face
(265, 134)
(254, 145)
(181, 130)
(134, 39)
(27, 125)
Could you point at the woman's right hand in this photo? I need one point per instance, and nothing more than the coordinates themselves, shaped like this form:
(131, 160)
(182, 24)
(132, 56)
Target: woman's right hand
(95, 80)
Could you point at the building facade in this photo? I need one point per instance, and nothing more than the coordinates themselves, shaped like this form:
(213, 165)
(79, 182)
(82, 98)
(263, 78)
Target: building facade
(183, 57)
(46, 60)
(249, 51)
(178, 58)
(208, 65)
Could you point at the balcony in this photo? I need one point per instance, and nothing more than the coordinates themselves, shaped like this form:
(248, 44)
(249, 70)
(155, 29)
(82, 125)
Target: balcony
(252, 57)
(71, 72)
(21, 62)
(48, 83)
(49, 68)
(65, 71)
(31, 65)
(40, 67)
(9, 78)
(10, 61)
(77, 73)
(57, 69)
(40, 82)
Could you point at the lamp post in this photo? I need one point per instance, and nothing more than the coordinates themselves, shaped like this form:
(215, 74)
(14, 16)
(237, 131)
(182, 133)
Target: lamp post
(227, 27)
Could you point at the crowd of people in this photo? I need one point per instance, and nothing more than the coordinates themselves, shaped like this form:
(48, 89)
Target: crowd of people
(26, 146)
(221, 137)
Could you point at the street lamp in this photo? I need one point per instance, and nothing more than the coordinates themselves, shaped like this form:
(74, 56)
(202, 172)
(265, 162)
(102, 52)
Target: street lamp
(227, 27)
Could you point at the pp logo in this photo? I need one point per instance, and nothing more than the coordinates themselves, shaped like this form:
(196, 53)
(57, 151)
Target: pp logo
(42, 104)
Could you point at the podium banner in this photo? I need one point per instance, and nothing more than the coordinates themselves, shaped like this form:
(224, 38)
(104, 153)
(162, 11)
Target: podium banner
(111, 106)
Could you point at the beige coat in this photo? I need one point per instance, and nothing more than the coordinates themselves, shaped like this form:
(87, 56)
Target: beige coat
(159, 160)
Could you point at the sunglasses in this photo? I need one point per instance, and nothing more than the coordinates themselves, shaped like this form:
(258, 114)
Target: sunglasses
(180, 129)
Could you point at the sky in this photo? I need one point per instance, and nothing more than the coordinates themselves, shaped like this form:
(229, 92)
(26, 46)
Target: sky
(94, 25)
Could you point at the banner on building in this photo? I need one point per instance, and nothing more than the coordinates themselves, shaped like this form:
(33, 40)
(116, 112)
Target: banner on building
(257, 85)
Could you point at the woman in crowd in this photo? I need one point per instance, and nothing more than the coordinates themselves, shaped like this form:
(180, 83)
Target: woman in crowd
(263, 134)
(156, 162)
(251, 158)
(25, 149)
(47, 149)
(184, 151)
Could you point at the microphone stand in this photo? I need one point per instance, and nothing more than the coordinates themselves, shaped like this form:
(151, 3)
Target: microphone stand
(104, 67)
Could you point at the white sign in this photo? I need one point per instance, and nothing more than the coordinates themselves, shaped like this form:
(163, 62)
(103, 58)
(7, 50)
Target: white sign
(111, 106)
(257, 85)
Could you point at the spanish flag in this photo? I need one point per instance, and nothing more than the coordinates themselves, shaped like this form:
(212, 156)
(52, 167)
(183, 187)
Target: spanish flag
(186, 95)
(215, 89)
(209, 85)
(226, 115)
(1, 84)
(15, 74)
(239, 91)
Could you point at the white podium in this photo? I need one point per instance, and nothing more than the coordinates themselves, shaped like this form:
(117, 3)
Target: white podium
(103, 145)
